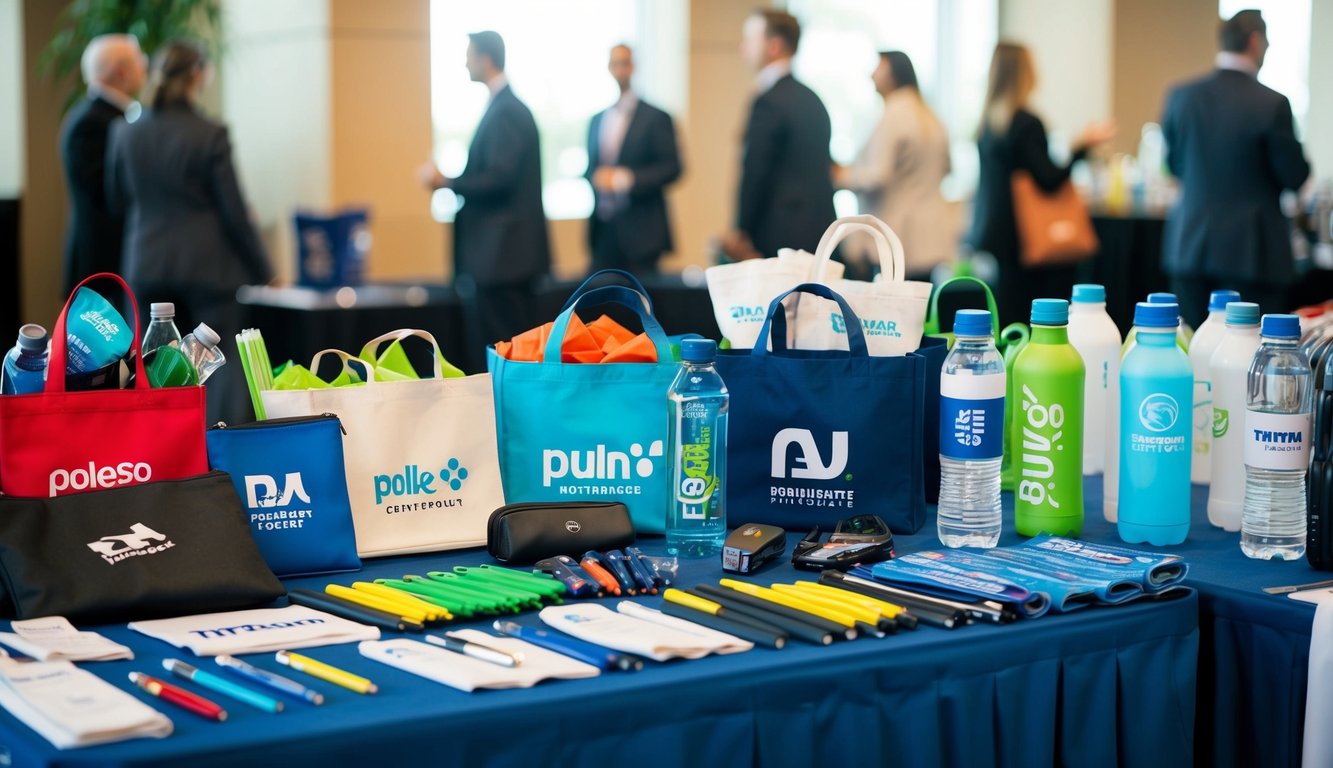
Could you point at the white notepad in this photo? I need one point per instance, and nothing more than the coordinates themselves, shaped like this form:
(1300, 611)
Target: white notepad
(71, 707)
(265, 629)
(53, 638)
(602, 626)
(723, 643)
(468, 674)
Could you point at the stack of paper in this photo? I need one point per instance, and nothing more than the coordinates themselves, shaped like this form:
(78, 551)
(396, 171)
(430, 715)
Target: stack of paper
(265, 629)
(468, 674)
(53, 638)
(599, 625)
(70, 707)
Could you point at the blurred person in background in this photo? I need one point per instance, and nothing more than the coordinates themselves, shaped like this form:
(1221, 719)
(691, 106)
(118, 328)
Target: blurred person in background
(1231, 142)
(898, 172)
(1011, 139)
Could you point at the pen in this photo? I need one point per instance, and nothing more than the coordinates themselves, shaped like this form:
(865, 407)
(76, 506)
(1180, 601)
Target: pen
(602, 576)
(376, 602)
(264, 677)
(755, 632)
(928, 613)
(351, 611)
(178, 696)
(325, 672)
(740, 599)
(221, 685)
(796, 628)
(660, 580)
(614, 566)
(637, 570)
(590, 653)
(574, 581)
(476, 650)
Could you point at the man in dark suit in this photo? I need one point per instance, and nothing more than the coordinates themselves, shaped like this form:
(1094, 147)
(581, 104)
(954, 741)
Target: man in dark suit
(786, 190)
(1231, 143)
(632, 157)
(501, 246)
(114, 69)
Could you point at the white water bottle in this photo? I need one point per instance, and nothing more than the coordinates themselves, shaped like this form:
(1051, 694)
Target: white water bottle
(1202, 346)
(1094, 334)
(1229, 371)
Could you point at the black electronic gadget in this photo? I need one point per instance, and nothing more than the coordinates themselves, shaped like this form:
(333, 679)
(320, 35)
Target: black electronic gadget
(751, 546)
(856, 540)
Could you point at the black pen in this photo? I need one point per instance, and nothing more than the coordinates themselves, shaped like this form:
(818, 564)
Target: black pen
(476, 650)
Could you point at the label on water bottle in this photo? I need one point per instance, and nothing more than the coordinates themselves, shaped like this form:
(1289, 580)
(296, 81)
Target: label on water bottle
(971, 416)
(695, 474)
(1277, 440)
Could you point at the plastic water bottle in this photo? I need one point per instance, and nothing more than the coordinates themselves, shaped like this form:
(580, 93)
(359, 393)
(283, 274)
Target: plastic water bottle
(1229, 368)
(1277, 443)
(1184, 333)
(971, 435)
(162, 330)
(1202, 346)
(1156, 389)
(201, 349)
(25, 365)
(1093, 333)
(1048, 427)
(697, 402)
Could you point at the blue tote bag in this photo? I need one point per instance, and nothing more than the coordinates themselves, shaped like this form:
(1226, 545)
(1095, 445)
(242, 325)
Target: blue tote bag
(819, 436)
(290, 476)
(577, 431)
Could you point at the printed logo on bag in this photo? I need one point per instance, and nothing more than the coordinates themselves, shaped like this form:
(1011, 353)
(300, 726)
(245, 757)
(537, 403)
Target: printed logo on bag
(95, 477)
(617, 469)
(1039, 449)
(746, 314)
(871, 326)
(807, 463)
(141, 540)
(413, 480)
(263, 493)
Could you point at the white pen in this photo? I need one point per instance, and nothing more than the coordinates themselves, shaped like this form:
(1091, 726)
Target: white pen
(476, 650)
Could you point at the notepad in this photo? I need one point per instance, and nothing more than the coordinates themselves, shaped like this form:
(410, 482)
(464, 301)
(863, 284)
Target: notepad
(53, 638)
(723, 642)
(257, 631)
(599, 624)
(468, 674)
(70, 707)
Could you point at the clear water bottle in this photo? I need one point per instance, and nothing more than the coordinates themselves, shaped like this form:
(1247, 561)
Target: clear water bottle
(202, 350)
(1277, 443)
(972, 391)
(162, 330)
(24, 369)
(697, 404)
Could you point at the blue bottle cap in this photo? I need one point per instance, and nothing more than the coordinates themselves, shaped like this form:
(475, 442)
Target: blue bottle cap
(1089, 293)
(32, 338)
(1050, 312)
(1156, 315)
(698, 350)
(1162, 297)
(1281, 327)
(1242, 313)
(971, 322)
(1218, 300)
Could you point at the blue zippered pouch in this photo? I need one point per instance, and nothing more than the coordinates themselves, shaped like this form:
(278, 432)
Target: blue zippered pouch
(290, 477)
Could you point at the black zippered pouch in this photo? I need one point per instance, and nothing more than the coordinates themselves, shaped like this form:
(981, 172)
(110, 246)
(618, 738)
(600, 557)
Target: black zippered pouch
(532, 531)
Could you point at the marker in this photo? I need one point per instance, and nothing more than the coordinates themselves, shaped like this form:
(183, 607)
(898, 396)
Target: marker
(602, 576)
(612, 565)
(755, 632)
(637, 570)
(378, 603)
(886, 609)
(326, 672)
(352, 611)
(434, 613)
(221, 685)
(476, 650)
(273, 681)
(797, 628)
(791, 601)
(928, 613)
(182, 698)
(758, 604)
(862, 614)
(582, 650)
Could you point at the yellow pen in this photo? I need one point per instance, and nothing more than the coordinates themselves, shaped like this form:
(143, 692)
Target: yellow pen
(886, 609)
(791, 601)
(433, 612)
(859, 612)
(378, 603)
(329, 674)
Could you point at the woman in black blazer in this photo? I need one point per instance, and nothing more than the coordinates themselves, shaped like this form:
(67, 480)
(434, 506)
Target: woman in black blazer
(1013, 139)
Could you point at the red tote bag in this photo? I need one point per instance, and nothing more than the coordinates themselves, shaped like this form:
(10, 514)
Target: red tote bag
(54, 442)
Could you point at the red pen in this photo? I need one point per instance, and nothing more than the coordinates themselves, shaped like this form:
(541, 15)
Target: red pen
(179, 696)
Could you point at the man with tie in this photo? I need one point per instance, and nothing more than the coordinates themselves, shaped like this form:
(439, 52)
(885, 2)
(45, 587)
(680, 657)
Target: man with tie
(501, 246)
(114, 69)
(632, 157)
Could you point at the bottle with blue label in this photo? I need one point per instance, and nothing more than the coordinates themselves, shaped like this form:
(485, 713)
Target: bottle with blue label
(1277, 443)
(25, 366)
(972, 388)
(697, 403)
(1156, 405)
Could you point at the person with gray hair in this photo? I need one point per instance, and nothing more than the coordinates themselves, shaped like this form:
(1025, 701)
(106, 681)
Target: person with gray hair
(114, 69)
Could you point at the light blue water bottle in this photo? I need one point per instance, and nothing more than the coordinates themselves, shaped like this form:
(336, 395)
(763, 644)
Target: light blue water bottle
(25, 365)
(1156, 410)
(972, 389)
(697, 403)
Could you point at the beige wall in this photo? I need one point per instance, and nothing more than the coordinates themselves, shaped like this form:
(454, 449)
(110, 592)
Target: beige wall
(1157, 45)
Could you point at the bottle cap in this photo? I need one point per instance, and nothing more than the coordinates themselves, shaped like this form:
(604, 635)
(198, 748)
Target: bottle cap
(1281, 327)
(971, 322)
(1089, 293)
(1156, 315)
(1050, 312)
(207, 336)
(698, 350)
(1162, 297)
(1242, 313)
(32, 338)
(162, 309)
(1218, 300)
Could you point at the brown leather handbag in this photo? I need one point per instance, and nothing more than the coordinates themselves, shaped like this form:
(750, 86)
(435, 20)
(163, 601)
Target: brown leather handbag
(1053, 228)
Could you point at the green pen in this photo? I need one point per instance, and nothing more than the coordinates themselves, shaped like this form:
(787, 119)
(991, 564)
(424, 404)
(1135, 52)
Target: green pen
(502, 599)
(542, 583)
(484, 602)
(404, 587)
(523, 589)
(458, 607)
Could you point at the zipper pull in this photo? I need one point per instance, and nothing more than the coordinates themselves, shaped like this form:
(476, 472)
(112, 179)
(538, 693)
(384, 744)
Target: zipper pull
(220, 425)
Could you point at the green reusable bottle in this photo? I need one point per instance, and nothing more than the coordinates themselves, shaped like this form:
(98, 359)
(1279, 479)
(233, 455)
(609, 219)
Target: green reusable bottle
(1047, 431)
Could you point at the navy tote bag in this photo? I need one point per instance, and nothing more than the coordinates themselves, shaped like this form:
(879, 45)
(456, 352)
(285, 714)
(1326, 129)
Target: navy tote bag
(819, 436)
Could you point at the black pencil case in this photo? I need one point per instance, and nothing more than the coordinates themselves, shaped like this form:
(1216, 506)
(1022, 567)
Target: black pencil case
(526, 533)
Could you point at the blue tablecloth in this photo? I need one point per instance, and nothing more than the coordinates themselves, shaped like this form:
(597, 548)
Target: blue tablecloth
(1104, 686)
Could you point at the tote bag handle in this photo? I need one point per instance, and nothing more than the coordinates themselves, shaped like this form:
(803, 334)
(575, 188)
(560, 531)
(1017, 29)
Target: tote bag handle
(59, 340)
(628, 280)
(405, 333)
(887, 246)
(345, 358)
(610, 294)
(933, 326)
(775, 325)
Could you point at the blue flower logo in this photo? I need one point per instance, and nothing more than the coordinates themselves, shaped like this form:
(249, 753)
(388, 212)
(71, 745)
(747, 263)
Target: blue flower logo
(453, 474)
(1159, 412)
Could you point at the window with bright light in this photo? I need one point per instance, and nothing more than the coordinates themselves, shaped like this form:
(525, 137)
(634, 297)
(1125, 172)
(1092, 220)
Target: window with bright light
(555, 61)
(1287, 64)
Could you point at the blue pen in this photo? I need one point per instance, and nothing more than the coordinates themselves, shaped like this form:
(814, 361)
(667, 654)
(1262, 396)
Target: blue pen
(588, 653)
(660, 579)
(578, 584)
(221, 685)
(616, 568)
(273, 681)
(640, 571)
